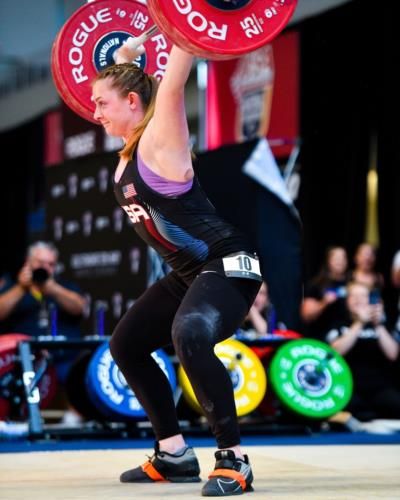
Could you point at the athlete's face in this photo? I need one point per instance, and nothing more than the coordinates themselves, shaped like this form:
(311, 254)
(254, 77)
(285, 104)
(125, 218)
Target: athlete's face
(115, 113)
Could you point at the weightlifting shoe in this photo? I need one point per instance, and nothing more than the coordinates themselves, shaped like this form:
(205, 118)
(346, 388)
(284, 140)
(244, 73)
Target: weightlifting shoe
(231, 476)
(182, 467)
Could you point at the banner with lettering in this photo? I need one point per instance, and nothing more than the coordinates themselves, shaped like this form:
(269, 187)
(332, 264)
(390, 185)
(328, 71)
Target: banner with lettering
(98, 246)
(256, 95)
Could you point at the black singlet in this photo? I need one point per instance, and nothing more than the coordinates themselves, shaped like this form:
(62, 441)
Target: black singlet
(185, 230)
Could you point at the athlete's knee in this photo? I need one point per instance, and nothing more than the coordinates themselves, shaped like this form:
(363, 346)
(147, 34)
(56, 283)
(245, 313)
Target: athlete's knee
(194, 331)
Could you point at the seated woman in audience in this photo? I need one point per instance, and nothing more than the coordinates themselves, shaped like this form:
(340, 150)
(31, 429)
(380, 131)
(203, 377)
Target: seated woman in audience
(370, 350)
(262, 318)
(323, 302)
(256, 320)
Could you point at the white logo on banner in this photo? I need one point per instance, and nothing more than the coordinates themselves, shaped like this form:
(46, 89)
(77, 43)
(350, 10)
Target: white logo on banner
(102, 222)
(116, 301)
(118, 219)
(71, 227)
(72, 185)
(80, 144)
(251, 86)
(87, 183)
(87, 219)
(57, 190)
(134, 257)
(58, 228)
(102, 177)
(95, 259)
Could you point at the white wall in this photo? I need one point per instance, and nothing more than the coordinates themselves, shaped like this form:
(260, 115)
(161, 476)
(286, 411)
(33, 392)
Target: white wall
(28, 28)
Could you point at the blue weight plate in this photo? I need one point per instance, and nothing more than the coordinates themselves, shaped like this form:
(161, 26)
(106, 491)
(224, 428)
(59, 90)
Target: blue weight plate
(107, 387)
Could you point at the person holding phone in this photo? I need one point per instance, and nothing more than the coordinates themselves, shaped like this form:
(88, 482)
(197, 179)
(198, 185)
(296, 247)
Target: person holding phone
(371, 351)
(324, 294)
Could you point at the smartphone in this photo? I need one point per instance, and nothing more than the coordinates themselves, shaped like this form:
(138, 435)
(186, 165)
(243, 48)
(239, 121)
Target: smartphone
(374, 297)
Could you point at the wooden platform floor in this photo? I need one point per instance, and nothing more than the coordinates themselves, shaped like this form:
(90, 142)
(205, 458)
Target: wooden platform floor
(284, 472)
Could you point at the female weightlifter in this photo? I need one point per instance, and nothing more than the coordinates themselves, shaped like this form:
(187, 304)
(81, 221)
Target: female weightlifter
(214, 280)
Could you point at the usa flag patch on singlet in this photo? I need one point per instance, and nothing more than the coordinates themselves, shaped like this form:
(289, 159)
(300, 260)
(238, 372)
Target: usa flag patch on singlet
(129, 190)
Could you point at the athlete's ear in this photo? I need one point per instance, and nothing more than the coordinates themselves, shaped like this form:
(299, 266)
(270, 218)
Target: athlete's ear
(134, 100)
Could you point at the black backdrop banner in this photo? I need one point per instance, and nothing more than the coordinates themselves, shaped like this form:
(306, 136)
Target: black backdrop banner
(99, 248)
(21, 190)
(388, 112)
(272, 227)
(339, 98)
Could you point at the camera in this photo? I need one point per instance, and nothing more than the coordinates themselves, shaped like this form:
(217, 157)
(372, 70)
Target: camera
(40, 276)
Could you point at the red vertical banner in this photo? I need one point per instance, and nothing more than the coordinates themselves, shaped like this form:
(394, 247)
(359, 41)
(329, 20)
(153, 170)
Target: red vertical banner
(256, 95)
(53, 138)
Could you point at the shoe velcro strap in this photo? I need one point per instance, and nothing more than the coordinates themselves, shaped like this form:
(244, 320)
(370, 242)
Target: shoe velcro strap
(233, 474)
(149, 469)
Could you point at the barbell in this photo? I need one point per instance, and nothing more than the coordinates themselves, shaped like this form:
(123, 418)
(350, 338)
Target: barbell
(213, 29)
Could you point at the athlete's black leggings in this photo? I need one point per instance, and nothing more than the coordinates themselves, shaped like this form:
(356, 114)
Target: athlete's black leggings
(194, 318)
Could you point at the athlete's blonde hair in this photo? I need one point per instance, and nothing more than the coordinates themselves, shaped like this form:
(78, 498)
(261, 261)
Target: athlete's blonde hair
(125, 78)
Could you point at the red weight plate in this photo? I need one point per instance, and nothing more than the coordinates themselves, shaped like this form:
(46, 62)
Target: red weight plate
(262, 352)
(47, 389)
(288, 334)
(87, 42)
(4, 409)
(221, 29)
(8, 350)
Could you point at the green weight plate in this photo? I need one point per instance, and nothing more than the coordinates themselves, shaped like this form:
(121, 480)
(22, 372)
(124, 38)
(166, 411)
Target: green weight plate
(311, 378)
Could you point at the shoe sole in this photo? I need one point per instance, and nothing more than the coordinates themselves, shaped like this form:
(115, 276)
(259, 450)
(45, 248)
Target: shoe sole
(249, 489)
(184, 479)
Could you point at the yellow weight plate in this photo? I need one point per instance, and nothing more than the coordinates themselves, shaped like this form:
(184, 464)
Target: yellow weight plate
(247, 374)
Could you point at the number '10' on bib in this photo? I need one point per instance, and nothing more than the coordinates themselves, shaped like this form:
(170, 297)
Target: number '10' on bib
(242, 265)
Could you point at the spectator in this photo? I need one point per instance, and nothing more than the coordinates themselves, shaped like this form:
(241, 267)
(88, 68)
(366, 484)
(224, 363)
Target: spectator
(323, 302)
(370, 351)
(256, 319)
(364, 270)
(37, 302)
(395, 275)
(261, 317)
(25, 304)
(396, 269)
